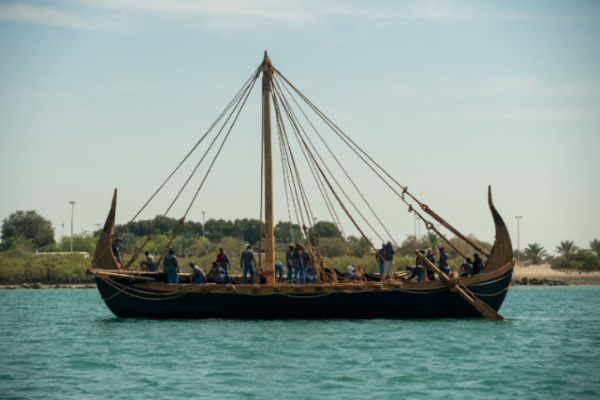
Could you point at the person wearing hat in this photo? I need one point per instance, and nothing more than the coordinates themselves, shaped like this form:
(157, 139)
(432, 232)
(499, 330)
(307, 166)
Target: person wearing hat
(171, 267)
(150, 262)
(379, 258)
(443, 263)
(198, 276)
(247, 262)
(223, 260)
(388, 261)
(297, 261)
(477, 264)
(278, 271)
(429, 254)
(289, 263)
(217, 273)
(116, 249)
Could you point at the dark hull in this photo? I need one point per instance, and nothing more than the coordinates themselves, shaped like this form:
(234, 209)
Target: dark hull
(396, 304)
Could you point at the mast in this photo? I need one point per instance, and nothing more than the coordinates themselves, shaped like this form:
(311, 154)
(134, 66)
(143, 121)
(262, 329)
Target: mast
(267, 68)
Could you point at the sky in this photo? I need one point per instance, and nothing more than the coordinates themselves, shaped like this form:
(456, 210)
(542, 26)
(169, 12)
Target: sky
(448, 96)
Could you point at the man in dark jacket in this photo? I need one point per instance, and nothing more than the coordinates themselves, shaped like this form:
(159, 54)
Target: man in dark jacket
(429, 254)
(388, 261)
(247, 262)
(150, 262)
(443, 263)
(379, 258)
(477, 264)
(306, 259)
(223, 260)
(289, 263)
(297, 261)
(171, 267)
(116, 249)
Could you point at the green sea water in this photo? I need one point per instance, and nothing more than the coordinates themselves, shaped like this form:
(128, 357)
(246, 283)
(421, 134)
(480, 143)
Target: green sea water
(65, 344)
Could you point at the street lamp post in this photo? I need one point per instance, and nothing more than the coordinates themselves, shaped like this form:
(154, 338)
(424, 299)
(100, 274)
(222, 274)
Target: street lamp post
(518, 238)
(72, 203)
(203, 235)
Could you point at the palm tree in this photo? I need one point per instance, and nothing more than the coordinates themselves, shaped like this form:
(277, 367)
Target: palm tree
(431, 240)
(130, 242)
(595, 246)
(534, 252)
(360, 246)
(566, 249)
(183, 244)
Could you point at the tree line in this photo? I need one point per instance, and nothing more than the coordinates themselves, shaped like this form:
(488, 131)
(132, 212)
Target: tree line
(27, 231)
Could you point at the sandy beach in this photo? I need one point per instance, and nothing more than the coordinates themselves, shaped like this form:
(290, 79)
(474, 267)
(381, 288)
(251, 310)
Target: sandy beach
(543, 271)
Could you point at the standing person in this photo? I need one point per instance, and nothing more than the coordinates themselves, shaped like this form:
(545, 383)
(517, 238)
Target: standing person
(443, 263)
(278, 271)
(388, 261)
(217, 273)
(116, 249)
(289, 263)
(150, 262)
(223, 260)
(468, 266)
(247, 262)
(171, 267)
(379, 258)
(306, 259)
(430, 255)
(198, 276)
(477, 264)
(420, 267)
(297, 261)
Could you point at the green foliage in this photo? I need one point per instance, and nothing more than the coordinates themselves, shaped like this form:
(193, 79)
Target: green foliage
(577, 262)
(409, 245)
(534, 252)
(84, 241)
(360, 246)
(288, 233)
(333, 247)
(432, 241)
(19, 265)
(595, 247)
(28, 225)
(325, 229)
(566, 249)
(17, 242)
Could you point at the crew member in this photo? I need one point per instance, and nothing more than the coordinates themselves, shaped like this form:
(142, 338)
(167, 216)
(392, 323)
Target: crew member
(150, 262)
(311, 276)
(306, 259)
(297, 261)
(116, 248)
(468, 266)
(223, 260)
(350, 272)
(443, 264)
(388, 261)
(477, 264)
(171, 267)
(430, 255)
(217, 273)
(379, 258)
(289, 263)
(420, 267)
(198, 276)
(278, 271)
(247, 262)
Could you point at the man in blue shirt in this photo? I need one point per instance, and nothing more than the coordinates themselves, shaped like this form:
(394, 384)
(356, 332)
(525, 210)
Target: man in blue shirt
(171, 267)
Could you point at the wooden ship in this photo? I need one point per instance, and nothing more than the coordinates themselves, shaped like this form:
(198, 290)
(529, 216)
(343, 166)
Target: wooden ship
(146, 294)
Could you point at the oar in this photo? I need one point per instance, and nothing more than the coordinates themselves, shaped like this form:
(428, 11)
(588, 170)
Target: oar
(479, 305)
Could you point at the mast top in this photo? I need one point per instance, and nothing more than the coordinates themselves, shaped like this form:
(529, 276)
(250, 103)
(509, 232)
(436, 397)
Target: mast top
(266, 64)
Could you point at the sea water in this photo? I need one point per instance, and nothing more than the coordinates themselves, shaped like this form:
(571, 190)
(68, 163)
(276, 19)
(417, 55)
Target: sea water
(58, 344)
